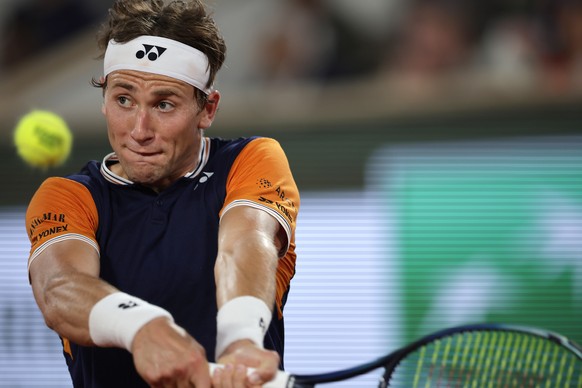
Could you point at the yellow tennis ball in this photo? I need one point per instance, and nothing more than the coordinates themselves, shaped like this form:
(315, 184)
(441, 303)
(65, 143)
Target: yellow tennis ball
(43, 139)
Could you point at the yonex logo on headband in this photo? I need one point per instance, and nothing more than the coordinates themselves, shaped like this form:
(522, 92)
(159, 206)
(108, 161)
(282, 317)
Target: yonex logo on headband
(147, 50)
(154, 54)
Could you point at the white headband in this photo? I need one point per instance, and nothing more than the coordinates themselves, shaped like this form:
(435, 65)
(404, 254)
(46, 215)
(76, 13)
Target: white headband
(154, 54)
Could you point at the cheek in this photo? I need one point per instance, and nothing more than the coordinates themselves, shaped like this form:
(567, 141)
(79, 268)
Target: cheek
(116, 128)
(112, 127)
(185, 141)
(116, 121)
(112, 136)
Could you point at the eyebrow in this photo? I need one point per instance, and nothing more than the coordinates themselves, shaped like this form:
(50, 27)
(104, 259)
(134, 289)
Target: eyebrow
(160, 92)
(165, 92)
(122, 85)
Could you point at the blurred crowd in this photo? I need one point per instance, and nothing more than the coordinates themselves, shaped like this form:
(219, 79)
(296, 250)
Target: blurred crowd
(33, 27)
(315, 40)
(510, 41)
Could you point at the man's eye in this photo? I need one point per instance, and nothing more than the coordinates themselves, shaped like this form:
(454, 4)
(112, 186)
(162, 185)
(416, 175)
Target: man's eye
(124, 101)
(164, 105)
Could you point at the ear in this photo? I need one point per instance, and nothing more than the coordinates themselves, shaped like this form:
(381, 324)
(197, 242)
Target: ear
(209, 110)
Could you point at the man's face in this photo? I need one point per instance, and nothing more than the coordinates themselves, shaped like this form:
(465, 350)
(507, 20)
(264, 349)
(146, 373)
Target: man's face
(154, 126)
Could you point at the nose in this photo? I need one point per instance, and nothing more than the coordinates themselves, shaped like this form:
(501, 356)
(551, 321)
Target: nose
(142, 131)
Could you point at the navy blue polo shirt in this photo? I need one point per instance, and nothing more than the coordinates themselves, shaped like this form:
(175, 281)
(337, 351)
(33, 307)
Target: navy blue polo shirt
(162, 247)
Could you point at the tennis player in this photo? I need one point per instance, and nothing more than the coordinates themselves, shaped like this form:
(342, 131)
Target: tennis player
(177, 248)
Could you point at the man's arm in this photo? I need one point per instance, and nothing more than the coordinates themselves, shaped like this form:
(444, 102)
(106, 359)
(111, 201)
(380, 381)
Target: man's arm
(66, 286)
(249, 240)
(248, 243)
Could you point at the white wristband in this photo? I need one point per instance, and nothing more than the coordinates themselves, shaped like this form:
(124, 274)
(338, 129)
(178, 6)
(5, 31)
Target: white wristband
(244, 317)
(116, 319)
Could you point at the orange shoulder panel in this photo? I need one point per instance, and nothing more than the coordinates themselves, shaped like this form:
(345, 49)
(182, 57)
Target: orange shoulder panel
(261, 174)
(59, 207)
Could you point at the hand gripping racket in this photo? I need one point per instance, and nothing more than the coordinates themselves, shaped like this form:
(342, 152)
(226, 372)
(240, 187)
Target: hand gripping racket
(479, 355)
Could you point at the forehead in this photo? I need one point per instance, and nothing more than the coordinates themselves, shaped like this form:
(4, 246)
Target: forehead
(144, 81)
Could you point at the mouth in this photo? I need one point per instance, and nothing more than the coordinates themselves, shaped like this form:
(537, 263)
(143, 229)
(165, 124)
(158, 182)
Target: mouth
(144, 154)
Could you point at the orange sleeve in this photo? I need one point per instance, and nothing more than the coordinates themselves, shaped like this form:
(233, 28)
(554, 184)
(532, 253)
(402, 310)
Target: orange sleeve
(60, 209)
(261, 177)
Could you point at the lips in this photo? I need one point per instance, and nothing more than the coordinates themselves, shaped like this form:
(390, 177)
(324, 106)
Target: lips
(144, 154)
(142, 151)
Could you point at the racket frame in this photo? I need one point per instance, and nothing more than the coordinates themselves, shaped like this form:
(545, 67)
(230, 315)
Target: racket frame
(391, 360)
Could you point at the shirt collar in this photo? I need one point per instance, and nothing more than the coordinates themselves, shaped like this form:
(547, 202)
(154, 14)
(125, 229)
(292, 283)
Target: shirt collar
(112, 158)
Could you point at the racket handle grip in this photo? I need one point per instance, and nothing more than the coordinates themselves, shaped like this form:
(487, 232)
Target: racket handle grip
(281, 380)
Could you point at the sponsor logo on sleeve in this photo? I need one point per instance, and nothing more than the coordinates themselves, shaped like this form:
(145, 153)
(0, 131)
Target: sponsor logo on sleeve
(52, 217)
(284, 205)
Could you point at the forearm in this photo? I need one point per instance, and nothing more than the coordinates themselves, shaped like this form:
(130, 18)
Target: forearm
(66, 300)
(245, 277)
(66, 285)
(88, 311)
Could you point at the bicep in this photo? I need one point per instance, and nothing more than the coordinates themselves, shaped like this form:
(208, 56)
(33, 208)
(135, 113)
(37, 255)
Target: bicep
(242, 224)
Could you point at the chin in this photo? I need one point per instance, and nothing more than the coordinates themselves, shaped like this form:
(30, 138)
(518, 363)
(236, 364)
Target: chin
(145, 174)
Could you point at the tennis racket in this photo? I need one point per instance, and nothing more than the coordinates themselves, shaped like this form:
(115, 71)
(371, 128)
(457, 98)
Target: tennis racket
(479, 355)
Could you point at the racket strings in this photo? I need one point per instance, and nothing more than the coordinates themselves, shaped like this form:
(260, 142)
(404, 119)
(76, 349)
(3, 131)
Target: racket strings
(489, 359)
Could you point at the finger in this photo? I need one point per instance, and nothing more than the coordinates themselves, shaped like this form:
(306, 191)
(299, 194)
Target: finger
(240, 376)
(182, 384)
(197, 378)
(267, 369)
(226, 376)
(217, 376)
